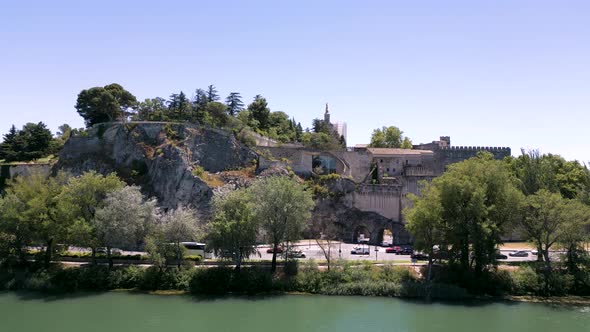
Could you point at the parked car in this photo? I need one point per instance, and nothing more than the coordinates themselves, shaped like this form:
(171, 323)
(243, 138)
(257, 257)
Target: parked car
(419, 256)
(270, 250)
(501, 256)
(393, 250)
(520, 253)
(406, 251)
(114, 251)
(360, 251)
(535, 252)
(296, 254)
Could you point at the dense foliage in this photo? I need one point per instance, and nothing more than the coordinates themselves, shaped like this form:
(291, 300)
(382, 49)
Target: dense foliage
(32, 142)
(461, 216)
(389, 137)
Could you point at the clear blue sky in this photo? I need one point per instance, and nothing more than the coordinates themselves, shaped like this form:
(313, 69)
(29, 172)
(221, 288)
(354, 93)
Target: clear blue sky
(502, 73)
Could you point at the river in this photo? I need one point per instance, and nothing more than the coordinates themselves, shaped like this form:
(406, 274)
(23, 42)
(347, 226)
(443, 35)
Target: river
(146, 313)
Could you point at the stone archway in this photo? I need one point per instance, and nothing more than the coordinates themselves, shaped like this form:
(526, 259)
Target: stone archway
(375, 225)
(360, 234)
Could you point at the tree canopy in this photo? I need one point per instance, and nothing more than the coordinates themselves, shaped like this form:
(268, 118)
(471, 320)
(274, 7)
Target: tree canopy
(472, 204)
(389, 137)
(283, 208)
(32, 142)
(104, 104)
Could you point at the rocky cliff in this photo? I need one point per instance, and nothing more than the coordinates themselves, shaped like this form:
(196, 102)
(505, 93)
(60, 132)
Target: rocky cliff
(165, 159)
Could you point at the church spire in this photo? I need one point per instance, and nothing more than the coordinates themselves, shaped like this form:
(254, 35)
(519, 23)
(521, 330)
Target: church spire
(327, 115)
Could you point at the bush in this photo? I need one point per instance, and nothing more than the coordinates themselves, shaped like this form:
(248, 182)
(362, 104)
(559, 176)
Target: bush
(291, 267)
(155, 278)
(125, 278)
(251, 281)
(211, 281)
(525, 281)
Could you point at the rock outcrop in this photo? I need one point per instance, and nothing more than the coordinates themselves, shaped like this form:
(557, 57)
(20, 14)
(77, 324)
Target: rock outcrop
(160, 157)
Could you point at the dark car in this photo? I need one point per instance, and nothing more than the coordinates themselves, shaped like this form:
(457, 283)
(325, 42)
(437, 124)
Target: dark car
(419, 256)
(501, 256)
(406, 251)
(520, 253)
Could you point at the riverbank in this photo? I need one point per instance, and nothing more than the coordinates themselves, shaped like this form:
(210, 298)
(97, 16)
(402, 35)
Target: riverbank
(308, 278)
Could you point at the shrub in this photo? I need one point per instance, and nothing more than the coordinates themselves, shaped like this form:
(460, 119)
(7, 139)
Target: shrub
(525, 281)
(38, 281)
(291, 267)
(125, 278)
(211, 281)
(251, 281)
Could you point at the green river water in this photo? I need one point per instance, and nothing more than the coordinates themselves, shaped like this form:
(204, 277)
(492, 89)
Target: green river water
(147, 313)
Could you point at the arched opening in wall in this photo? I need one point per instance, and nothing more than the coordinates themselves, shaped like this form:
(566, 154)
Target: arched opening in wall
(385, 237)
(361, 234)
(323, 164)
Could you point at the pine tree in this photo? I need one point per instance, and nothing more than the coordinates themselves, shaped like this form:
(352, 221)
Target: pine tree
(260, 112)
(234, 103)
(8, 145)
(212, 93)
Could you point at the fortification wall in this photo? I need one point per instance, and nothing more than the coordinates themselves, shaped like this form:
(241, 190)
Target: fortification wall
(384, 200)
(459, 153)
(358, 163)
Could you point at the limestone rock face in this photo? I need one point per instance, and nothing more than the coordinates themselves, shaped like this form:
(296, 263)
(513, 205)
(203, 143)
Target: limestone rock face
(160, 157)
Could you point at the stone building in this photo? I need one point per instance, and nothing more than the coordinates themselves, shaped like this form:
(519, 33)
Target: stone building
(381, 177)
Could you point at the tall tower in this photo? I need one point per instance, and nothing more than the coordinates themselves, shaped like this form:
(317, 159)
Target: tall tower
(327, 115)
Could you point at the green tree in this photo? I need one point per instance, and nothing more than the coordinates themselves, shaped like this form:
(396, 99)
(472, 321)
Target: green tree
(477, 200)
(201, 99)
(179, 107)
(550, 172)
(104, 104)
(212, 94)
(234, 103)
(217, 115)
(407, 143)
(9, 147)
(389, 137)
(234, 229)
(37, 139)
(33, 141)
(259, 112)
(17, 230)
(64, 131)
(31, 204)
(124, 219)
(82, 197)
(544, 217)
(283, 208)
(574, 235)
(177, 226)
(153, 109)
(424, 221)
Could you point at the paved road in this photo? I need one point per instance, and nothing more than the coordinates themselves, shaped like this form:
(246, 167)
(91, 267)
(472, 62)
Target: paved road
(342, 250)
(313, 251)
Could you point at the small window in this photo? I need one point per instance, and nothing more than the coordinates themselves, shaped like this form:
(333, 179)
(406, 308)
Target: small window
(381, 160)
(393, 169)
(388, 169)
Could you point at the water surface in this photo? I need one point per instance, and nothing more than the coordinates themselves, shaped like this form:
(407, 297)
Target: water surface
(147, 313)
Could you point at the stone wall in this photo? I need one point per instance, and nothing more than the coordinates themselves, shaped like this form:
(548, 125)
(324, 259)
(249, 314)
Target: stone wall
(10, 171)
(384, 200)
